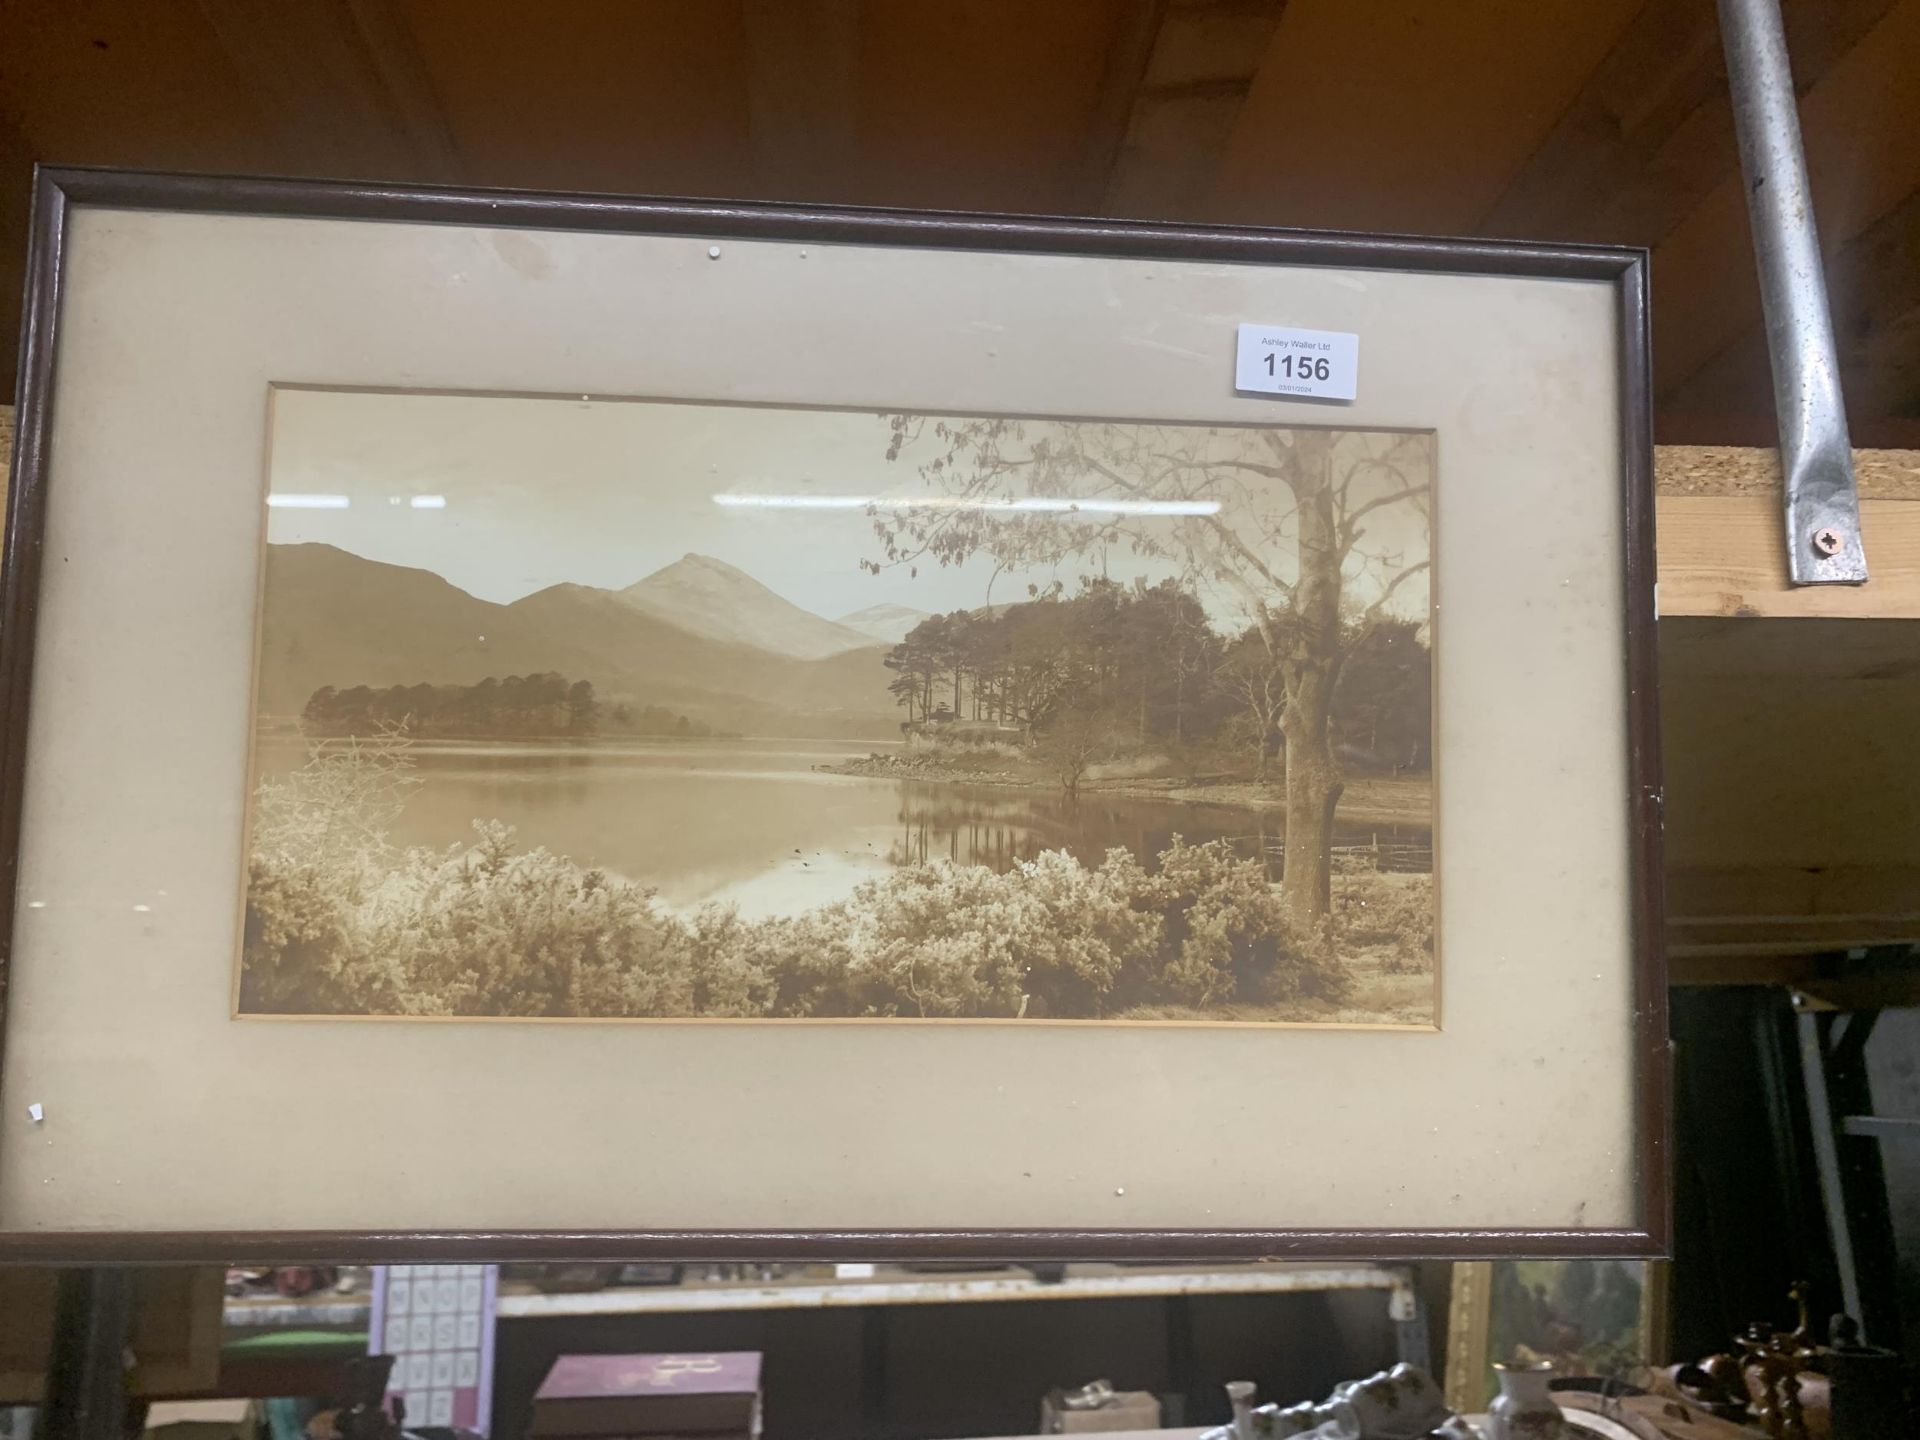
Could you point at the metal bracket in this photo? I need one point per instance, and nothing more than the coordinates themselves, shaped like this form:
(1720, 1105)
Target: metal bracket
(1816, 457)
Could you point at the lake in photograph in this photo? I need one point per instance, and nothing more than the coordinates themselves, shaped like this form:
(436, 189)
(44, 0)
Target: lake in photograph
(759, 824)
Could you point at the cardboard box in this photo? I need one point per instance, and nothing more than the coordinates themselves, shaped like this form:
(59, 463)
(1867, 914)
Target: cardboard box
(636, 1395)
(202, 1420)
(1128, 1410)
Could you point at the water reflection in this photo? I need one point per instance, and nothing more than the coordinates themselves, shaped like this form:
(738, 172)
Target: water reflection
(987, 825)
(759, 823)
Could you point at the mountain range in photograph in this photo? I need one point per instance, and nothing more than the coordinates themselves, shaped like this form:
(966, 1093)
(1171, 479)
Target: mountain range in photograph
(698, 634)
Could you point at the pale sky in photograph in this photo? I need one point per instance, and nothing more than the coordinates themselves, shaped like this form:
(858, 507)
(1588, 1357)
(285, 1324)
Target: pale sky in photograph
(604, 492)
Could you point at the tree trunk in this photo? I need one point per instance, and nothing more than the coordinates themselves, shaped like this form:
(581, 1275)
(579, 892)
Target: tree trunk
(1313, 790)
(1311, 663)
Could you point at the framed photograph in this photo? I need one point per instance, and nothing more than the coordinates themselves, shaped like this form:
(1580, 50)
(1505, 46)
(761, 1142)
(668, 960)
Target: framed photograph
(652, 729)
(1589, 1319)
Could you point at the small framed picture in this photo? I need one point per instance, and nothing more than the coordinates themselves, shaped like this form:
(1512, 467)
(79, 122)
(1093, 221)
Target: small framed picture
(1593, 1320)
(656, 730)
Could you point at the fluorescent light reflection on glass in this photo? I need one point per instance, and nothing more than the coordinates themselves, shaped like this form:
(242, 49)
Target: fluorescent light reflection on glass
(428, 502)
(1042, 504)
(308, 502)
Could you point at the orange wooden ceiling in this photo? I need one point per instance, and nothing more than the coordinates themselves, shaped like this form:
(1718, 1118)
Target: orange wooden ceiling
(1553, 119)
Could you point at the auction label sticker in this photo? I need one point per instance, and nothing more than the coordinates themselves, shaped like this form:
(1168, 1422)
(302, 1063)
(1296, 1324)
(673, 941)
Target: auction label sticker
(1278, 360)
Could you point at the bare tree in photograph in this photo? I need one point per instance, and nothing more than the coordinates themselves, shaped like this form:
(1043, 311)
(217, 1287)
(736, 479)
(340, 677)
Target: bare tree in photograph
(1080, 738)
(1252, 677)
(1278, 518)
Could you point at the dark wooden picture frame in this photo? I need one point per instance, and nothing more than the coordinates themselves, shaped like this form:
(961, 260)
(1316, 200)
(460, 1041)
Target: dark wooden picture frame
(1626, 270)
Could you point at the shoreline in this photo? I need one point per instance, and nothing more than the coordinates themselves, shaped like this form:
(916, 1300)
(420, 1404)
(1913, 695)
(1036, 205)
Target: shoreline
(1368, 800)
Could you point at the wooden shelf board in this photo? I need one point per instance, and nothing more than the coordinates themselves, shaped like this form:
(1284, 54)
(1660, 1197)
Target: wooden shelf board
(1083, 1282)
(1724, 555)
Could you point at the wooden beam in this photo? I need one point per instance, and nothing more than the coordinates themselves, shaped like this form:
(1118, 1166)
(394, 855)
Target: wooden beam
(1725, 555)
(1185, 102)
(344, 84)
(803, 61)
(1650, 133)
(1721, 539)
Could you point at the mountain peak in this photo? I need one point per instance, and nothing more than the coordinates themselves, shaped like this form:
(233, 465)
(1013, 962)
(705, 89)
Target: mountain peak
(707, 596)
(694, 568)
(887, 623)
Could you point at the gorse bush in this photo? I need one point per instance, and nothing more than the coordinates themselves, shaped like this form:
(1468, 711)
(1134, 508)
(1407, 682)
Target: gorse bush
(1391, 911)
(340, 922)
(486, 929)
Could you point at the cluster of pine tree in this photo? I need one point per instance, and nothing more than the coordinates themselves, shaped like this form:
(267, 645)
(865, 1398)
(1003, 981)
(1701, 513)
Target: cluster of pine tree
(544, 704)
(1144, 664)
(521, 706)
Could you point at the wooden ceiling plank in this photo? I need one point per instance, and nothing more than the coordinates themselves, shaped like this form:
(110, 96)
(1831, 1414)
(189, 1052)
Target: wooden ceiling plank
(1650, 134)
(343, 84)
(1855, 121)
(402, 72)
(1186, 105)
(1413, 117)
(1128, 55)
(803, 59)
(1873, 286)
(1876, 313)
(1662, 69)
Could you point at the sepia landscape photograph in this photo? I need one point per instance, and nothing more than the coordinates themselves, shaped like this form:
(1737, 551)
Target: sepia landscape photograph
(573, 708)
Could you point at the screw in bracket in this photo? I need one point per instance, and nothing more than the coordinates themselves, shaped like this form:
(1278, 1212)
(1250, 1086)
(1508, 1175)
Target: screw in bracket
(1827, 542)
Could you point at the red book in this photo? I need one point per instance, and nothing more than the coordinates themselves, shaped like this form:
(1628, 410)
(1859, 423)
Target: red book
(648, 1395)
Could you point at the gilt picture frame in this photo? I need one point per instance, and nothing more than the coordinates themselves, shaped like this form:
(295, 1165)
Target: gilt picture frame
(888, 641)
(1591, 1320)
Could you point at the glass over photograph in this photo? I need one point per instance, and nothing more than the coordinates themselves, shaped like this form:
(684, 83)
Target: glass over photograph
(579, 708)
